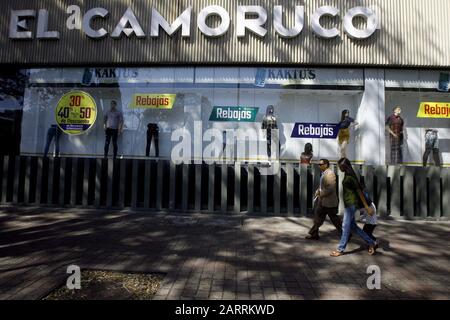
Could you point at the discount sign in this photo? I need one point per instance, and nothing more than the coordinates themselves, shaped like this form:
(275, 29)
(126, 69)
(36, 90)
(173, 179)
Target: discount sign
(76, 112)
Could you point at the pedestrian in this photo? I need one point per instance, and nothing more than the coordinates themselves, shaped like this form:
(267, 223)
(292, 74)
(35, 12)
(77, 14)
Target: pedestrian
(113, 125)
(327, 201)
(354, 199)
(370, 223)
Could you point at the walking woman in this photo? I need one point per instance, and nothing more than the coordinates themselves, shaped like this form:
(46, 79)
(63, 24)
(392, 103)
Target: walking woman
(353, 200)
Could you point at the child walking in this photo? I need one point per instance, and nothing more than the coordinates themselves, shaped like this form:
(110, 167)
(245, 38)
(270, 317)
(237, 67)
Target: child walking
(370, 222)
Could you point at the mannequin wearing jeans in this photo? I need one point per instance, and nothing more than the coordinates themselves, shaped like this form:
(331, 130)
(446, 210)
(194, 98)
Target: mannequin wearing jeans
(431, 145)
(152, 133)
(53, 132)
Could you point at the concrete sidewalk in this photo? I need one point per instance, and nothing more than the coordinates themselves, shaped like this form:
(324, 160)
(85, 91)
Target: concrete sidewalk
(219, 257)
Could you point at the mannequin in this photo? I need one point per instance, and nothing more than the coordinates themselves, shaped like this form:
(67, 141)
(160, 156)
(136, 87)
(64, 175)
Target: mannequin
(431, 145)
(152, 133)
(53, 132)
(306, 156)
(395, 127)
(269, 123)
(344, 132)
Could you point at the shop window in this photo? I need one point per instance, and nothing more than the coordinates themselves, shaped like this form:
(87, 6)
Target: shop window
(12, 86)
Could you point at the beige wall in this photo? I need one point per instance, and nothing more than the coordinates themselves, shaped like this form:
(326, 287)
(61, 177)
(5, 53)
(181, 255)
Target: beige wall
(413, 33)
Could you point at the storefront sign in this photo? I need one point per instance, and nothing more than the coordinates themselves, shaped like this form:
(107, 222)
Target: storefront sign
(438, 110)
(315, 130)
(129, 24)
(234, 114)
(153, 101)
(264, 77)
(108, 75)
(76, 112)
(284, 76)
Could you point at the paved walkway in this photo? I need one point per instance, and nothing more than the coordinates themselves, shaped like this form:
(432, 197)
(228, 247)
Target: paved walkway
(219, 257)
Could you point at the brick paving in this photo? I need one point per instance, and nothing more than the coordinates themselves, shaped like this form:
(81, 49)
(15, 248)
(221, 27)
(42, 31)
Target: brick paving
(219, 257)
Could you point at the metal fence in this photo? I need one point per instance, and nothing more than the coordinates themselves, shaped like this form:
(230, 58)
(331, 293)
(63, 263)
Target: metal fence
(238, 188)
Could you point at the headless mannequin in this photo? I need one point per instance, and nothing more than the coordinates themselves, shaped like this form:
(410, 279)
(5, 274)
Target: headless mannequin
(152, 133)
(269, 123)
(54, 132)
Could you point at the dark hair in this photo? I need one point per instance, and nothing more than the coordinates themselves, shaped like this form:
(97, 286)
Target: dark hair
(114, 101)
(343, 115)
(270, 109)
(326, 161)
(308, 148)
(346, 166)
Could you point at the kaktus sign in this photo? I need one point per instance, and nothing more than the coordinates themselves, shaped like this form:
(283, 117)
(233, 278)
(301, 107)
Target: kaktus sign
(250, 18)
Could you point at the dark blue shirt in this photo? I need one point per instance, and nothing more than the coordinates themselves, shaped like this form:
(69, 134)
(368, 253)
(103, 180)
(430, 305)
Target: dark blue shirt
(344, 124)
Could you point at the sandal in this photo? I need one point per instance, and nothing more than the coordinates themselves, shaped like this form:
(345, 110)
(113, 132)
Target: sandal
(336, 253)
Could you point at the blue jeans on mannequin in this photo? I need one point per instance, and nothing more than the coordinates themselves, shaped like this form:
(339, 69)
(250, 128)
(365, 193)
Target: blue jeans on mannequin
(349, 225)
(52, 133)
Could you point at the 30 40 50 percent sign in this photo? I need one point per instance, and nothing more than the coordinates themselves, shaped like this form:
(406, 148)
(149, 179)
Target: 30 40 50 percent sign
(76, 112)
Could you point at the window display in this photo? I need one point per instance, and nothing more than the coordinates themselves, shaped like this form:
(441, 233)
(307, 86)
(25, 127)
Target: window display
(12, 87)
(424, 104)
(153, 105)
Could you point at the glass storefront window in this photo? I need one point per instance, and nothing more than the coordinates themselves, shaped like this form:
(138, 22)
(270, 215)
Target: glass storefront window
(298, 95)
(172, 104)
(12, 86)
(410, 90)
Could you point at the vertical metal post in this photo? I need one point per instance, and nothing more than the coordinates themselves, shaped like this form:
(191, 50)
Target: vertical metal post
(250, 189)
(211, 189)
(394, 175)
(237, 188)
(303, 189)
